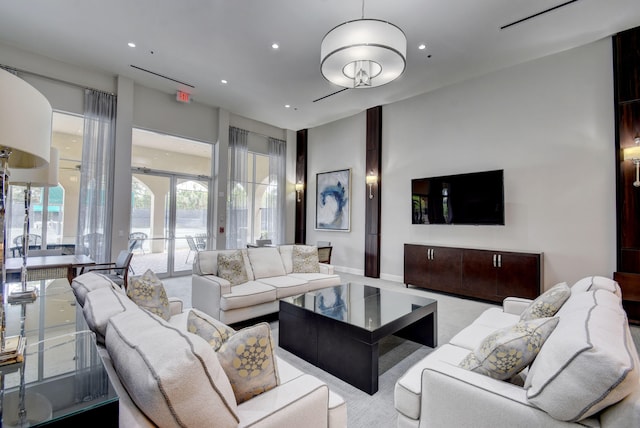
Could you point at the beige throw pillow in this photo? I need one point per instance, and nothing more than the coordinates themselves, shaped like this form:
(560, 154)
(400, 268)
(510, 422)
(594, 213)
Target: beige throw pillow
(148, 292)
(248, 359)
(548, 303)
(208, 328)
(507, 351)
(305, 259)
(231, 267)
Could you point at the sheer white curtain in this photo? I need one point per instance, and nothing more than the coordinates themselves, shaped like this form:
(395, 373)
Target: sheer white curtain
(276, 199)
(96, 177)
(237, 215)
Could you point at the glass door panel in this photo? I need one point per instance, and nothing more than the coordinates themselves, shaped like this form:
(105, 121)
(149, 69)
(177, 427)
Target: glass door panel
(149, 237)
(191, 221)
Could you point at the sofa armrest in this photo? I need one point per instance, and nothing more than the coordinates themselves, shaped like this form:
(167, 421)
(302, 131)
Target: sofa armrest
(487, 402)
(326, 268)
(176, 305)
(515, 305)
(206, 292)
(305, 398)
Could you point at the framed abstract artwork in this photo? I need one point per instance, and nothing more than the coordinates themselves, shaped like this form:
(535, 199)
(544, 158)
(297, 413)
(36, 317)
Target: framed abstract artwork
(333, 200)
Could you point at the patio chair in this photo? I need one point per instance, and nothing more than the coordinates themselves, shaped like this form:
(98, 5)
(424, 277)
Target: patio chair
(136, 241)
(34, 241)
(117, 271)
(193, 247)
(201, 241)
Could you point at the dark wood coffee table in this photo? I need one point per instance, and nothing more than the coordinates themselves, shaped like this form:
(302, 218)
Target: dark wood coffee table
(338, 328)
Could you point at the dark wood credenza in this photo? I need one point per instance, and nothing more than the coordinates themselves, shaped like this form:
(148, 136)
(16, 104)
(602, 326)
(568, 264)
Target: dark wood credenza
(483, 274)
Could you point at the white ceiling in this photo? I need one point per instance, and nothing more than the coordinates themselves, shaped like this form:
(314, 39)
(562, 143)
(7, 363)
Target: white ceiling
(200, 42)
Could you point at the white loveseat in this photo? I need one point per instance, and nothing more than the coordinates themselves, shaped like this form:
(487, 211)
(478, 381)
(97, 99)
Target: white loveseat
(167, 376)
(586, 373)
(270, 276)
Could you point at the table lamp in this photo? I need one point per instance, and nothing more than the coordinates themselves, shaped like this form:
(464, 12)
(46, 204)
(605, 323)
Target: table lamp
(25, 142)
(45, 176)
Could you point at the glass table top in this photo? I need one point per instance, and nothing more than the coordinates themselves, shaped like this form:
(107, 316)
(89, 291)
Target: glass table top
(360, 305)
(62, 372)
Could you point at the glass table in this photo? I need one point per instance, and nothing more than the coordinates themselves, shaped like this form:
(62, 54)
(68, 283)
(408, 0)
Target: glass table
(62, 380)
(338, 329)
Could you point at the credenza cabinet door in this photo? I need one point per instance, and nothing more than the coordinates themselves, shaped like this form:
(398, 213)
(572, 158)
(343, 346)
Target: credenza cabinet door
(518, 275)
(415, 265)
(445, 268)
(479, 274)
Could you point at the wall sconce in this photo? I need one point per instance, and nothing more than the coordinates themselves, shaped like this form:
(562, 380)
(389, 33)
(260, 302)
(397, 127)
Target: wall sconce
(299, 189)
(371, 179)
(633, 154)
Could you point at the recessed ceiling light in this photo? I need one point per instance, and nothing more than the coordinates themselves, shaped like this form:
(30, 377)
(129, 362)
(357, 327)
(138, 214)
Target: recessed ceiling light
(287, 106)
(224, 82)
(422, 46)
(131, 45)
(275, 46)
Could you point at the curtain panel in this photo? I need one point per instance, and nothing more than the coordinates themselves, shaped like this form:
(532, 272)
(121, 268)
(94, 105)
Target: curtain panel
(276, 200)
(237, 193)
(96, 176)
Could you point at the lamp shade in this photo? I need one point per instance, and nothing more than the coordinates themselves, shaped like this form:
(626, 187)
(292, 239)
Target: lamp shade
(25, 123)
(363, 53)
(631, 153)
(45, 176)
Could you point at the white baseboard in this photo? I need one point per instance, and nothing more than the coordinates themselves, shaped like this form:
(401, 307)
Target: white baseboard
(386, 277)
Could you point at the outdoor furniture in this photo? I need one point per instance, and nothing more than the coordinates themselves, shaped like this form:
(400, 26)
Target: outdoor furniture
(201, 241)
(34, 241)
(136, 241)
(117, 271)
(193, 247)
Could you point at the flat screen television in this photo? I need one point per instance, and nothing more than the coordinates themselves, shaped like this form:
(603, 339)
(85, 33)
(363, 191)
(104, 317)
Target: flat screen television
(473, 198)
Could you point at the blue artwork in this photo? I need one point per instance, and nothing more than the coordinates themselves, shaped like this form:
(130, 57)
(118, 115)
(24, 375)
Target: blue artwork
(332, 200)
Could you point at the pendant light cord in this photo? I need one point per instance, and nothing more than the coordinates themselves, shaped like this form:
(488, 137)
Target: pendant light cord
(362, 9)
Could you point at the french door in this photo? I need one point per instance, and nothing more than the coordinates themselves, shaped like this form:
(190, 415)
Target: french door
(169, 218)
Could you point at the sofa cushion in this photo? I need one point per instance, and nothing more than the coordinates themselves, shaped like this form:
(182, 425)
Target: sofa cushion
(286, 286)
(592, 283)
(548, 303)
(588, 363)
(266, 262)
(248, 294)
(231, 267)
(208, 328)
(173, 376)
(305, 259)
(504, 353)
(286, 253)
(248, 359)
(317, 280)
(148, 292)
(83, 284)
(102, 304)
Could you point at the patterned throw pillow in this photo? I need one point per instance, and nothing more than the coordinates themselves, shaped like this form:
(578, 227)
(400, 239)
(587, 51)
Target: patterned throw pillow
(504, 353)
(548, 303)
(305, 259)
(208, 328)
(231, 267)
(248, 359)
(148, 292)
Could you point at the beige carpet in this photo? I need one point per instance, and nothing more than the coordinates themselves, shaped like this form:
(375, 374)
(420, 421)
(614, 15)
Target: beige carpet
(373, 411)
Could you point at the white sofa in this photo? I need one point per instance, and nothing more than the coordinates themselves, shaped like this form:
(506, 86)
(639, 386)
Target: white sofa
(585, 374)
(270, 277)
(166, 376)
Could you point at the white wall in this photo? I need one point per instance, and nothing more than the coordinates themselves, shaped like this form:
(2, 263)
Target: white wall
(548, 123)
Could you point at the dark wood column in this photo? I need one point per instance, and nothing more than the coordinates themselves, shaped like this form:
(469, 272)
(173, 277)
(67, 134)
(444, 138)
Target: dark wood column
(626, 64)
(373, 204)
(301, 177)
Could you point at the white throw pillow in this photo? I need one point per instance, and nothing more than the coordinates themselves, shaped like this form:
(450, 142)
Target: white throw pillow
(592, 283)
(173, 376)
(588, 362)
(266, 262)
